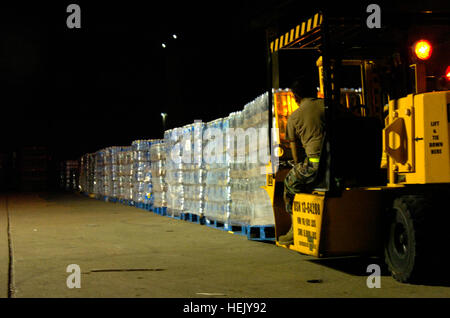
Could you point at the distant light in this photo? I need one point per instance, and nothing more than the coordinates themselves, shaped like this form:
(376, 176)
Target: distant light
(423, 49)
(163, 114)
(174, 36)
(447, 73)
(164, 45)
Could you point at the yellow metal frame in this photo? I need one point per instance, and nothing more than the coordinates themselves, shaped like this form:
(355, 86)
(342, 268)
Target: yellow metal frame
(425, 144)
(294, 35)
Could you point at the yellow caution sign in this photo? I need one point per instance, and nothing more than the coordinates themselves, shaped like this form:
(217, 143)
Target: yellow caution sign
(307, 221)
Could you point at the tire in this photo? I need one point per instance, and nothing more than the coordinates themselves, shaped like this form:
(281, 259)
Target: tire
(407, 247)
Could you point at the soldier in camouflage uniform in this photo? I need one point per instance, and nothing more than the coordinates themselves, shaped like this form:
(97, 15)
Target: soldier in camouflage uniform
(305, 130)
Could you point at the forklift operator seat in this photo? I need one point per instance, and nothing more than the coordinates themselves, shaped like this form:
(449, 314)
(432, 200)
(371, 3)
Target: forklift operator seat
(357, 143)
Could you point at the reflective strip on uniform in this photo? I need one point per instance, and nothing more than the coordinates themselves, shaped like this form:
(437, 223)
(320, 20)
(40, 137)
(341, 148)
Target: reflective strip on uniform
(313, 159)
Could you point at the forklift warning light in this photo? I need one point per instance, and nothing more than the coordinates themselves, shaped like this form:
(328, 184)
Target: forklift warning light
(423, 49)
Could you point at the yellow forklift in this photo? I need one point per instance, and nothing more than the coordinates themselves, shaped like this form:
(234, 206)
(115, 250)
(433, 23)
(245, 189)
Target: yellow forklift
(383, 187)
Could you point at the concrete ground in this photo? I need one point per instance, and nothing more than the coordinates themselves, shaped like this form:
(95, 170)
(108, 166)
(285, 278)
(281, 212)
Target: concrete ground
(127, 252)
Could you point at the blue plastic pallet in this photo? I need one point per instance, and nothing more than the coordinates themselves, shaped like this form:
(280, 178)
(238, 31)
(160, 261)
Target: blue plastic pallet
(261, 232)
(215, 224)
(160, 210)
(194, 218)
(144, 206)
(240, 229)
(111, 199)
(177, 217)
(140, 205)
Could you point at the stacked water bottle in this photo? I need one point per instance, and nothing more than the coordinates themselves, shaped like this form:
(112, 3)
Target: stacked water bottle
(90, 173)
(239, 181)
(99, 173)
(107, 178)
(174, 172)
(217, 164)
(142, 187)
(194, 173)
(115, 171)
(158, 169)
(128, 173)
(82, 186)
(123, 180)
(250, 203)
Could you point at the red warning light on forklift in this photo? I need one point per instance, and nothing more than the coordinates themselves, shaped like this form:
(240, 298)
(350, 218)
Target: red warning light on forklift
(423, 49)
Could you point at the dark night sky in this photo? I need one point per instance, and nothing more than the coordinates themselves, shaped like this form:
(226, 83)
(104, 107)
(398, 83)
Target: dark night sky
(78, 90)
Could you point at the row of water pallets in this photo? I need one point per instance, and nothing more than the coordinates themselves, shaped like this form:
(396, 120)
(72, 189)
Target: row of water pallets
(252, 232)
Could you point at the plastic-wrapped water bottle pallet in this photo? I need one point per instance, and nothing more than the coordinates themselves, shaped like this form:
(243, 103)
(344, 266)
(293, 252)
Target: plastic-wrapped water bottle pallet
(261, 232)
(191, 217)
(160, 210)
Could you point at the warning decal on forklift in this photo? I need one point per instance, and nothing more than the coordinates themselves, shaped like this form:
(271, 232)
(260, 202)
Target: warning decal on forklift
(307, 219)
(436, 145)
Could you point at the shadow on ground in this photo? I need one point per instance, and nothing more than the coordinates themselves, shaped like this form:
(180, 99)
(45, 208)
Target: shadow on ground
(357, 266)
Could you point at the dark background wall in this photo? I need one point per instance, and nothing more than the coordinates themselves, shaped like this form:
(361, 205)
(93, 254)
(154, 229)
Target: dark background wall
(75, 91)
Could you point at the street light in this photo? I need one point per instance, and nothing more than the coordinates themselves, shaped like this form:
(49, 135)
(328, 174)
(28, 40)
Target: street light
(164, 115)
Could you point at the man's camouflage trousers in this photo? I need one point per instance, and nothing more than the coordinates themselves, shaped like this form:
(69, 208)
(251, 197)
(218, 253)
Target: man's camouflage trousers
(299, 180)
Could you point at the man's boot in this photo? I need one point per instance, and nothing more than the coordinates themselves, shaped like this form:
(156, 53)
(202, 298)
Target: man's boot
(288, 238)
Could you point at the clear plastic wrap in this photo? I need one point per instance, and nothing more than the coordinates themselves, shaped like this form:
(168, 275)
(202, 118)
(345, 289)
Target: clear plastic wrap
(193, 174)
(250, 203)
(142, 174)
(233, 192)
(158, 169)
(218, 172)
(174, 171)
(99, 188)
